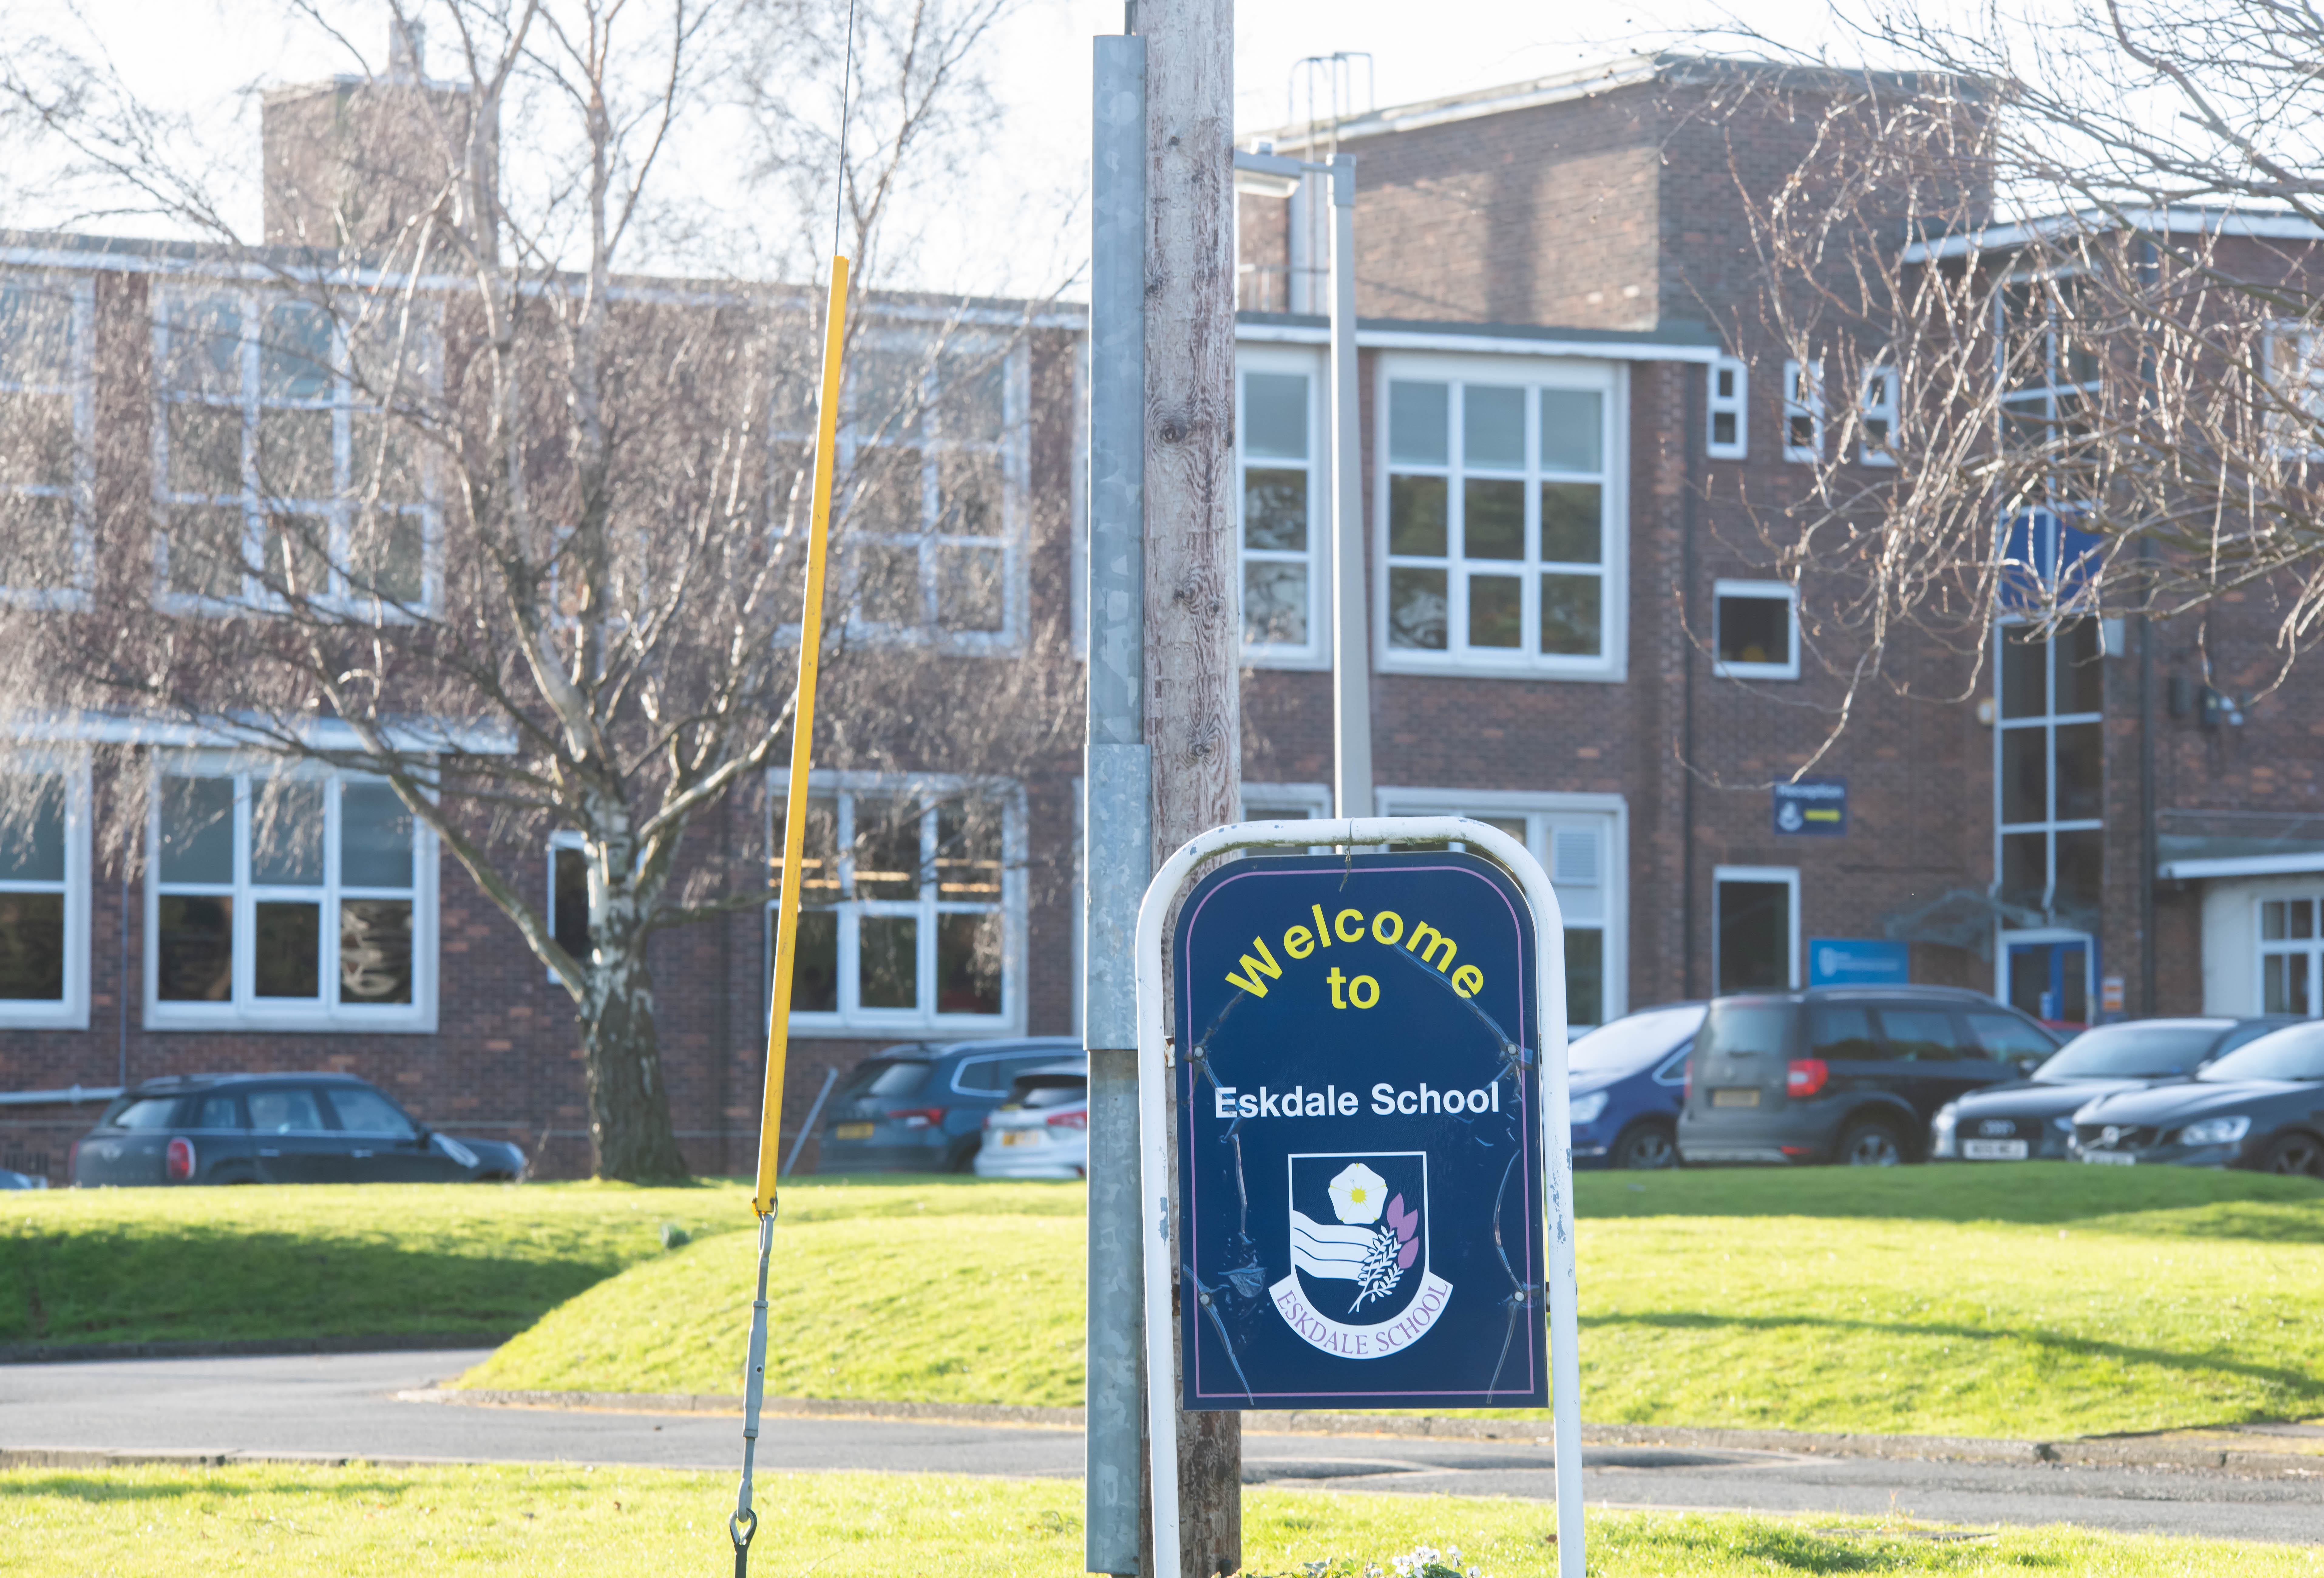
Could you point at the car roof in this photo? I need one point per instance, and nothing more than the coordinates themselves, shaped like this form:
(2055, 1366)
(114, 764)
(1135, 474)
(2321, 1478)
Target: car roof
(1078, 1066)
(1013, 1046)
(179, 1084)
(1962, 994)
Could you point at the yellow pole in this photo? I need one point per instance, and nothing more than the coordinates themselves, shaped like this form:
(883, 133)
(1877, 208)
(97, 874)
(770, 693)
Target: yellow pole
(779, 1006)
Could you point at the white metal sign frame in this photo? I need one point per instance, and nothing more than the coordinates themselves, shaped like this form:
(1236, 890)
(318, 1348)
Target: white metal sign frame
(1156, 1060)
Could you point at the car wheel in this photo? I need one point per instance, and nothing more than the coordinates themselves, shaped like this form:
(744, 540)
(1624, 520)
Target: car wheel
(2300, 1154)
(1646, 1144)
(1870, 1143)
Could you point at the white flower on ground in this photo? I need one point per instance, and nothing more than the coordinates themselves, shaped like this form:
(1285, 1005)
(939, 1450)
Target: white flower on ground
(1358, 1195)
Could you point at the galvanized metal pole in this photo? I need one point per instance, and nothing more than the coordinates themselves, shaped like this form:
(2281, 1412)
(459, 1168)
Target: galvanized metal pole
(1352, 678)
(1117, 823)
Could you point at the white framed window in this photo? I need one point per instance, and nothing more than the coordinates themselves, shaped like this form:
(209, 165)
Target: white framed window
(912, 915)
(2050, 366)
(1803, 411)
(2295, 371)
(1759, 630)
(1502, 517)
(2291, 956)
(1582, 841)
(1877, 415)
(567, 896)
(934, 455)
(44, 896)
(1284, 507)
(274, 469)
(292, 900)
(1729, 431)
(2049, 777)
(47, 416)
(1755, 941)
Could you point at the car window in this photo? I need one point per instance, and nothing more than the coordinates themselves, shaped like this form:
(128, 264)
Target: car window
(978, 1074)
(2006, 1038)
(284, 1112)
(2296, 1053)
(887, 1077)
(1838, 1034)
(219, 1113)
(146, 1112)
(1745, 1029)
(1013, 1066)
(2130, 1051)
(1048, 1090)
(362, 1112)
(2243, 1035)
(1674, 1071)
(1919, 1034)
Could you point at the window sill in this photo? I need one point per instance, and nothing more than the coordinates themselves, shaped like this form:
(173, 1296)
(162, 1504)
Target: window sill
(22, 1015)
(1286, 658)
(415, 1020)
(1754, 670)
(1587, 671)
(956, 1027)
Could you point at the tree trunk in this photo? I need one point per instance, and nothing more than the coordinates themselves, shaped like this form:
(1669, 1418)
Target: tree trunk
(630, 1134)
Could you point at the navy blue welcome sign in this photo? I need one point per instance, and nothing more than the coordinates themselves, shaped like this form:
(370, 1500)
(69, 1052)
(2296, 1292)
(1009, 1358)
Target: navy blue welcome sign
(1359, 1164)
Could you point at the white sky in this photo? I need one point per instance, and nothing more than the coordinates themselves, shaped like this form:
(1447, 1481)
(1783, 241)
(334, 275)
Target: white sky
(1017, 224)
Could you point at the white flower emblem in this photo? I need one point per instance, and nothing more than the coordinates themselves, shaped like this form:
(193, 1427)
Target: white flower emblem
(1358, 1195)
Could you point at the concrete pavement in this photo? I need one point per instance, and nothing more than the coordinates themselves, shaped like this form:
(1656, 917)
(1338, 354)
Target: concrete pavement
(334, 1405)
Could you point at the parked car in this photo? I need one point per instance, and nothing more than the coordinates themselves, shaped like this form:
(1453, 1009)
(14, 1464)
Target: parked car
(1627, 1077)
(1848, 1075)
(2261, 1106)
(921, 1109)
(2034, 1119)
(1042, 1130)
(11, 1179)
(276, 1129)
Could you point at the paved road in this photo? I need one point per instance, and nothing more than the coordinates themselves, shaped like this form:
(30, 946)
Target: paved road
(340, 1405)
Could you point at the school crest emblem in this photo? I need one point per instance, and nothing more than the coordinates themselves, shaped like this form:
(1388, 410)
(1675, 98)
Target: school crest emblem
(1359, 1285)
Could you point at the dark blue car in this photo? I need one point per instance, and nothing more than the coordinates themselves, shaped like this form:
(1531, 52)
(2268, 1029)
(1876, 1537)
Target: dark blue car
(1627, 1081)
(921, 1109)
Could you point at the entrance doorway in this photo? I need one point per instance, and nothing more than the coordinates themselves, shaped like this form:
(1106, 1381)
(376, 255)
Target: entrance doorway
(2052, 975)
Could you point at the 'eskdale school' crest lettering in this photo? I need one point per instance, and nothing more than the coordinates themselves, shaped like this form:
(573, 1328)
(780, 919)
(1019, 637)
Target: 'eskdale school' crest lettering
(1359, 1286)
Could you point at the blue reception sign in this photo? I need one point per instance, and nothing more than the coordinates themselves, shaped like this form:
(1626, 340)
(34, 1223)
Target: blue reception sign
(1817, 806)
(1359, 1123)
(1859, 961)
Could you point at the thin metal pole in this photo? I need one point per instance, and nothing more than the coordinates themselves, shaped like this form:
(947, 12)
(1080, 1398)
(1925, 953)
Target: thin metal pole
(806, 1130)
(745, 1521)
(1352, 688)
(1116, 813)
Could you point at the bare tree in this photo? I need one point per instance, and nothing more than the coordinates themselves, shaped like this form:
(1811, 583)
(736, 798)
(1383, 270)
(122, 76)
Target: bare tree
(453, 497)
(2051, 298)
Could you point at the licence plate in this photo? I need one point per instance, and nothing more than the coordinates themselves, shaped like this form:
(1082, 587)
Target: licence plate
(1735, 1098)
(1021, 1136)
(1995, 1150)
(2111, 1157)
(852, 1131)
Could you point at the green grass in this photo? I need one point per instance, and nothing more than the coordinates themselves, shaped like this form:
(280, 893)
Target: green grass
(2042, 1300)
(360, 1520)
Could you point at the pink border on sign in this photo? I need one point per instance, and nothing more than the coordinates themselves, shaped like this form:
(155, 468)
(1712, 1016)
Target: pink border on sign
(1525, 1130)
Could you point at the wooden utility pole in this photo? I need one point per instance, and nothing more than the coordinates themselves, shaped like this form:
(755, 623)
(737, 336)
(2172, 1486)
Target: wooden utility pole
(1194, 721)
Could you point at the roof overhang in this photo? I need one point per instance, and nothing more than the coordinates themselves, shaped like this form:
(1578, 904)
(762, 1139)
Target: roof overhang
(1685, 342)
(2051, 228)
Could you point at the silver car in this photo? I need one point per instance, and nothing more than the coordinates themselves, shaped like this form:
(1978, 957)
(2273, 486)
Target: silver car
(1042, 1130)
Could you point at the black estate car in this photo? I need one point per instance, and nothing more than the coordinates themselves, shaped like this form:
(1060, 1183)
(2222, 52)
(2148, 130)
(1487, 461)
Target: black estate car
(2261, 1107)
(276, 1129)
(918, 1108)
(2032, 1119)
(1847, 1075)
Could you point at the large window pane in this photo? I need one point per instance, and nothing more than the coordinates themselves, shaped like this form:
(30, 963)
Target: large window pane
(968, 964)
(1755, 630)
(1571, 623)
(888, 961)
(887, 849)
(1418, 418)
(2081, 675)
(568, 874)
(32, 946)
(375, 837)
(969, 494)
(36, 440)
(1415, 609)
(818, 849)
(1275, 604)
(2024, 868)
(387, 556)
(36, 332)
(1275, 509)
(2081, 857)
(887, 583)
(1495, 612)
(2081, 752)
(197, 830)
(1492, 518)
(294, 454)
(32, 846)
(1275, 415)
(374, 950)
(286, 834)
(814, 963)
(1417, 516)
(294, 353)
(204, 334)
(2025, 775)
(972, 397)
(968, 850)
(194, 955)
(287, 961)
(2025, 683)
(1585, 976)
(1755, 935)
(1572, 429)
(1570, 522)
(1492, 427)
(206, 550)
(381, 466)
(969, 587)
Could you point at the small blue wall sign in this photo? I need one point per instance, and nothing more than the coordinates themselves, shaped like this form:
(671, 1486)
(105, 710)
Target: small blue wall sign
(1358, 1090)
(1816, 807)
(1859, 961)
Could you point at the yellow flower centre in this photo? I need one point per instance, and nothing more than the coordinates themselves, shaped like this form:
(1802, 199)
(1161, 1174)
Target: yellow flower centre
(1357, 1195)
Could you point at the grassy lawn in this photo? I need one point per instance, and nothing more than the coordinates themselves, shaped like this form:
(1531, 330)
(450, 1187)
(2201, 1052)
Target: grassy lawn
(359, 1519)
(2035, 1300)
(146, 1265)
